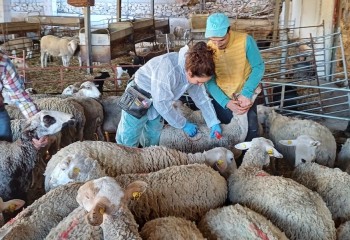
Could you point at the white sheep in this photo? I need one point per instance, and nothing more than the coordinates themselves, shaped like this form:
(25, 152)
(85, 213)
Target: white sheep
(35, 221)
(232, 133)
(85, 89)
(299, 212)
(80, 161)
(106, 203)
(343, 158)
(170, 228)
(55, 46)
(18, 158)
(331, 183)
(283, 127)
(74, 226)
(71, 89)
(238, 222)
(186, 191)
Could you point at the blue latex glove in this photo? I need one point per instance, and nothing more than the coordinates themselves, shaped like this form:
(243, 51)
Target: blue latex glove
(190, 129)
(215, 129)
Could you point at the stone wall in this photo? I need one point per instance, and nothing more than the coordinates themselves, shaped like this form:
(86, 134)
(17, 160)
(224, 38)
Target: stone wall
(142, 8)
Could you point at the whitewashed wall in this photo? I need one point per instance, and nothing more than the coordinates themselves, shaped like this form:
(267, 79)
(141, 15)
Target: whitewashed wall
(136, 8)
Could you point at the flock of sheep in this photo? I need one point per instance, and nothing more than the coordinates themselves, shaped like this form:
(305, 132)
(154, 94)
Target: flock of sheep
(292, 183)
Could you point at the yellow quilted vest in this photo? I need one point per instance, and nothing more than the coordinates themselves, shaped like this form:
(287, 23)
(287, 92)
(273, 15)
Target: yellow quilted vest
(231, 64)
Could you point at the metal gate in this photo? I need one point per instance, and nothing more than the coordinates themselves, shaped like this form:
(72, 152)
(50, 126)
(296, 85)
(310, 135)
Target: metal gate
(307, 78)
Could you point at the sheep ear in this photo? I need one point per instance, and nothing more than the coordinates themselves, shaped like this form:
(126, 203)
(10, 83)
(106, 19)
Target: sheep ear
(74, 173)
(12, 205)
(95, 216)
(273, 153)
(315, 143)
(243, 145)
(134, 190)
(288, 142)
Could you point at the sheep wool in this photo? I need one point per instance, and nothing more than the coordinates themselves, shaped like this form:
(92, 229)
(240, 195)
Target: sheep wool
(117, 159)
(186, 191)
(331, 183)
(112, 113)
(299, 212)
(74, 226)
(93, 112)
(36, 221)
(170, 228)
(238, 222)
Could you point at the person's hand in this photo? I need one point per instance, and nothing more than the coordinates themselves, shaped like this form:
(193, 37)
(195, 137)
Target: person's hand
(190, 129)
(40, 143)
(244, 102)
(235, 107)
(215, 131)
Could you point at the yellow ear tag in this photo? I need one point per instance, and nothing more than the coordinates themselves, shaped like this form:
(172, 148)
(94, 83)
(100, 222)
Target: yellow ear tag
(220, 162)
(270, 151)
(243, 145)
(136, 195)
(76, 171)
(102, 211)
(289, 142)
(12, 207)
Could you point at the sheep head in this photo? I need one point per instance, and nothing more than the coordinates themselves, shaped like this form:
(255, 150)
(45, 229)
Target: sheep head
(47, 122)
(259, 153)
(88, 89)
(75, 168)
(72, 46)
(105, 196)
(305, 148)
(222, 159)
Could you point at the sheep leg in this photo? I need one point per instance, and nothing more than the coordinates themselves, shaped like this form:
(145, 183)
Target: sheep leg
(43, 59)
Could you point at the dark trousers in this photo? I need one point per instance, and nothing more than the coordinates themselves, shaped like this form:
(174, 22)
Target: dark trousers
(225, 116)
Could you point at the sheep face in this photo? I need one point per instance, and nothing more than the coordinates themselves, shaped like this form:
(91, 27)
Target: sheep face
(222, 159)
(70, 90)
(305, 148)
(105, 196)
(89, 89)
(47, 122)
(74, 168)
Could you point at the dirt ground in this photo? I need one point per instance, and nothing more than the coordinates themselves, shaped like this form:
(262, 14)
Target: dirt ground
(54, 78)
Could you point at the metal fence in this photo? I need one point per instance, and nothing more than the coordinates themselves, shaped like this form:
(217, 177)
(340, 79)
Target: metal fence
(307, 77)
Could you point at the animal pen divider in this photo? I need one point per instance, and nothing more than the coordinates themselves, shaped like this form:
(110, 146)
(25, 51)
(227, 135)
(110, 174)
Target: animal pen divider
(307, 77)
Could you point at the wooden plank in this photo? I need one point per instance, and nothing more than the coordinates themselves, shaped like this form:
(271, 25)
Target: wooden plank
(57, 20)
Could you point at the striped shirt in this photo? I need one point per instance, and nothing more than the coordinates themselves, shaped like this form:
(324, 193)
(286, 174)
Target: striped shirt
(14, 85)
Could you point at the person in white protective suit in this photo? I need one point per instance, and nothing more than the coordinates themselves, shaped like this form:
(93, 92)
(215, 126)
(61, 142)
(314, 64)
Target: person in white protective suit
(164, 79)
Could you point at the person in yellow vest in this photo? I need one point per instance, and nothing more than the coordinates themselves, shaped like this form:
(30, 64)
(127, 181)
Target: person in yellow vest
(239, 70)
